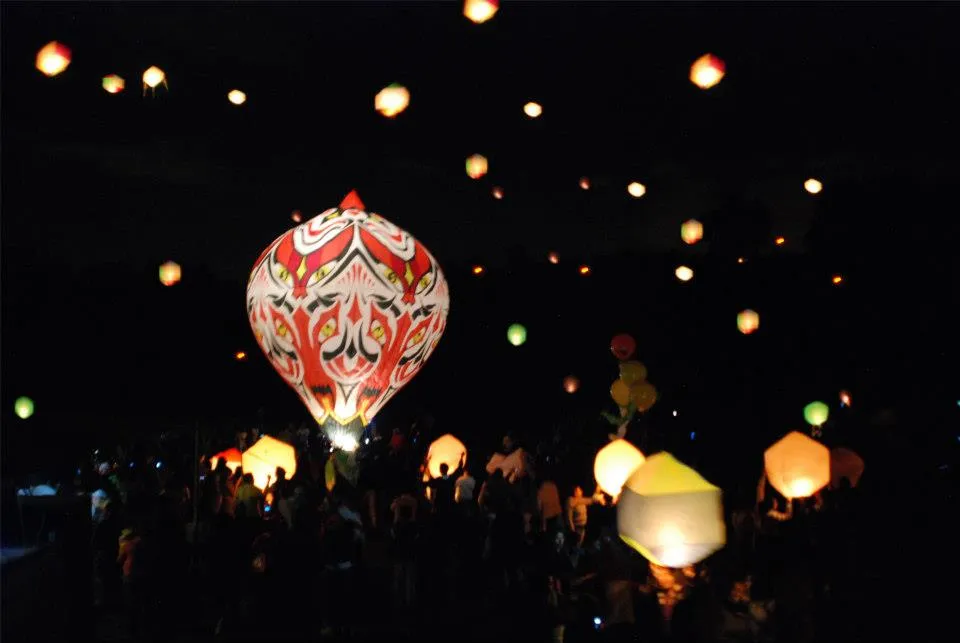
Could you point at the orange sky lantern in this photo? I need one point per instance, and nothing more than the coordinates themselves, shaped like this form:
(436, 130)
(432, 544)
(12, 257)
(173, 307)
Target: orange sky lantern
(553, 258)
(113, 84)
(263, 458)
(707, 71)
(479, 11)
(614, 465)
(584, 269)
(296, 216)
(684, 273)
(478, 270)
(837, 279)
(780, 241)
(532, 109)
(584, 183)
(237, 97)
(153, 78)
(445, 450)
(169, 273)
(232, 457)
(53, 59)
(497, 192)
(476, 166)
(813, 186)
(691, 231)
(797, 465)
(748, 321)
(571, 384)
(240, 356)
(391, 100)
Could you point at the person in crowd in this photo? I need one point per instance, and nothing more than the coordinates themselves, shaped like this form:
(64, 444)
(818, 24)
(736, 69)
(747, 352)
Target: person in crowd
(249, 499)
(404, 531)
(129, 545)
(577, 506)
(465, 486)
(444, 488)
(549, 508)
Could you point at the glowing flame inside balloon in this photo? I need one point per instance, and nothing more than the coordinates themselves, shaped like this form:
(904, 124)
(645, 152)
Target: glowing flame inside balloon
(392, 100)
(23, 407)
(53, 59)
(516, 334)
(479, 11)
(684, 273)
(636, 190)
(113, 84)
(476, 166)
(237, 97)
(813, 186)
(748, 321)
(533, 110)
(691, 231)
(169, 273)
(571, 384)
(707, 71)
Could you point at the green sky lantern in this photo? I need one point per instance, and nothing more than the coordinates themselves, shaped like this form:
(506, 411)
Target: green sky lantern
(816, 413)
(23, 407)
(516, 334)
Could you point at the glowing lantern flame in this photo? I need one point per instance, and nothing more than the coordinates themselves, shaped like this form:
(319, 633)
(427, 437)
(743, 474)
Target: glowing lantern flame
(53, 59)
(516, 334)
(445, 450)
(533, 110)
(740, 259)
(478, 270)
(684, 273)
(636, 190)
(571, 384)
(240, 356)
(707, 71)
(479, 11)
(837, 279)
(392, 100)
(237, 97)
(153, 77)
(691, 231)
(553, 258)
(584, 183)
(797, 466)
(113, 84)
(23, 407)
(813, 186)
(296, 216)
(476, 166)
(614, 465)
(748, 321)
(584, 270)
(169, 273)
(780, 241)
(497, 193)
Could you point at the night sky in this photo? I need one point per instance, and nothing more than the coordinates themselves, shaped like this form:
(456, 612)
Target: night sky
(99, 189)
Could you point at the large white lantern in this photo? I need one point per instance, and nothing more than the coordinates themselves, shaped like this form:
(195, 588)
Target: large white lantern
(614, 464)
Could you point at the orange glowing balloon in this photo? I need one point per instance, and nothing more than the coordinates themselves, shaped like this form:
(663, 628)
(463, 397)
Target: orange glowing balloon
(584, 270)
(553, 258)
(584, 183)
(478, 270)
(748, 321)
(571, 384)
(691, 231)
(476, 166)
(707, 71)
(53, 59)
(780, 241)
(392, 100)
(169, 273)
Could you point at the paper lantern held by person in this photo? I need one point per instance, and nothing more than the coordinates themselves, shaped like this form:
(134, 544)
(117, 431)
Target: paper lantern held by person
(391, 100)
(707, 71)
(797, 466)
(263, 458)
(169, 273)
(53, 59)
(513, 466)
(845, 464)
(113, 84)
(479, 11)
(571, 384)
(23, 407)
(231, 457)
(316, 305)
(748, 321)
(476, 166)
(614, 464)
(444, 450)
(691, 231)
(670, 514)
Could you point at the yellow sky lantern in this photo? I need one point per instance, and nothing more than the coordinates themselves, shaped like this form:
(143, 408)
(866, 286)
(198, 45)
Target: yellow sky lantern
(392, 100)
(53, 59)
(445, 450)
(797, 465)
(237, 97)
(263, 458)
(684, 273)
(780, 241)
(636, 190)
(571, 384)
(614, 464)
(476, 166)
(670, 514)
(169, 273)
(584, 270)
(478, 270)
(837, 279)
(691, 231)
(813, 186)
(479, 11)
(240, 356)
(113, 84)
(748, 321)
(707, 71)
(532, 109)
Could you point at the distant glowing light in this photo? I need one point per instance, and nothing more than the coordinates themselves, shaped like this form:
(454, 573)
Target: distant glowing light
(780, 241)
(113, 84)
(516, 334)
(584, 270)
(845, 399)
(571, 384)
(740, 259)
(684, 273)
(816, 413)
(391, 100)
(553, 258)
(693, 435)
(296, 216)
(636, 190)
(240, 356)
(837, 279)
(153, 77)
(674, 413)
(169, 273)
(748, 321)
(344, 441)
(691, 231)
(497, 192)
(476, 166)
(479, 11)
(237, 97)
(478, 270)
(707, 71)
(813, 186)
(23, 407)
(584, 183)
(53, 59)
(533, 110)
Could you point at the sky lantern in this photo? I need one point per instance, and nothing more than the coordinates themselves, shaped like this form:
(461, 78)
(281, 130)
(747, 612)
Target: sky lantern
(837, 280)
(477, 270)
(571, 384)
(313, 303)
(684, 273)
(670, 514)
(445, 450)
(707, 71)
(780, 241)
(23, 407)
(516, 334)
(53, 59)
(497, 192)
(748, 321)
(845, 463)
(813, 186)
(476, 166)
(391, 100)
(553, 258)
(636, 190)
(237, 97)
(479, 11)
(152, 78)
(845, 398)
(169, 273)
(113, 84)
(584, 183)
(691, 231)
(623, 346)
(584, 270)
(816, 413)
(296, 216)
(263, 458)
(533, 110)
(614, 464)
(740, 260)
(240, 356)
(797, 466)
(232, 457)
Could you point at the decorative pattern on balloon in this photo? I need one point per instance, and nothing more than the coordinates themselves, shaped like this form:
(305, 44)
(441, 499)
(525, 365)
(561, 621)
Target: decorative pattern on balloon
(347, 307)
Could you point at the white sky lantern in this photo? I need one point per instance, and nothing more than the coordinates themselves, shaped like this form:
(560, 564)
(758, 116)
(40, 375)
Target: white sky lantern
(53, 59)
(614, 464)
(532, 109)
(670, 514)
(813, 186)
(392, 100)
(691, 231)
(237, 97)
(797, 466)
(684, 273)
(263, 458)
(445, 450)
(153, 77)
(636, 190)
(476, 166)
(479, 11)
(707, 71)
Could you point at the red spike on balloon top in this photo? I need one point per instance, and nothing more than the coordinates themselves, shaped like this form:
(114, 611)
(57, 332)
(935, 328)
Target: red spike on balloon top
(352, 200)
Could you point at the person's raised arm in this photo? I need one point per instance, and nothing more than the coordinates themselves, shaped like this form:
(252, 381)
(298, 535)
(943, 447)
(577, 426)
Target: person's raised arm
(459, 469)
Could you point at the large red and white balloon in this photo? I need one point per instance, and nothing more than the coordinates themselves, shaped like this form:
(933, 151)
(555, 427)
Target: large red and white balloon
(347, 307)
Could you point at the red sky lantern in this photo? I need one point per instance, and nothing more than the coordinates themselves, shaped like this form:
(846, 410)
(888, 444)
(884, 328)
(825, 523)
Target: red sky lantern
(707, 71)
(479, 11)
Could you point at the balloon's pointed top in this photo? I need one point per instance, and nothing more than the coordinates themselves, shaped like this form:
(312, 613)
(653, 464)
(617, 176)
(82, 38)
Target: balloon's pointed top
(352, 200)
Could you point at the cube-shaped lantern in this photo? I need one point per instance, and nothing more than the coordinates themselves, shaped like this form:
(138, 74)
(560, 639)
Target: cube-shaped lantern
(614, 464)
(445, 450)
(263, 458)
(670, 514)
(797, 466)
(232, 457)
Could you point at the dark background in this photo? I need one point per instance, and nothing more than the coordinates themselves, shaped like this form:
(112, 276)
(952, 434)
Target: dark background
(99, 189)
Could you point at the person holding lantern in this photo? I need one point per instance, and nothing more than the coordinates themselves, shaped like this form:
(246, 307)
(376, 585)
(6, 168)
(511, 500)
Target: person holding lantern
(577, 512)
(444, 487)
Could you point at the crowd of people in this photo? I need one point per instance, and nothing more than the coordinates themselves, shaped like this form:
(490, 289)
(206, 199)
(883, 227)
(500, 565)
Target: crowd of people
(466, 555)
